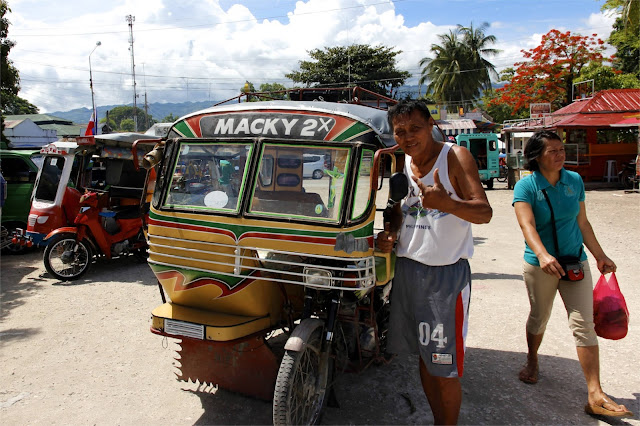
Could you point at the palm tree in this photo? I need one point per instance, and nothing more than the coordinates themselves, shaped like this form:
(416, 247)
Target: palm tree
(459, 70)
(477, 42)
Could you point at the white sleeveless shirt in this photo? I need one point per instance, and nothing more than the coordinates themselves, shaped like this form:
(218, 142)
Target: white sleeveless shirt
(430, 236)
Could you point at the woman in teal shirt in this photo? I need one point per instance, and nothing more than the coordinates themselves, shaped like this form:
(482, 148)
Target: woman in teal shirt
(545, 156)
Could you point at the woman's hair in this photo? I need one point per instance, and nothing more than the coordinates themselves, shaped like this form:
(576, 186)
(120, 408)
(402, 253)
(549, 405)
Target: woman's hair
(407, 107)
(535, 146)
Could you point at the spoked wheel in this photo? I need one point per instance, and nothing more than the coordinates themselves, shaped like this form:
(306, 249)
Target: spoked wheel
(67, 259)
(302, 385)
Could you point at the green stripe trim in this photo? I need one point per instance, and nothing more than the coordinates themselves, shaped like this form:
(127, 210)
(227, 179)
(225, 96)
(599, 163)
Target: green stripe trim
(184, 129)
(356, 129)
(238, 230)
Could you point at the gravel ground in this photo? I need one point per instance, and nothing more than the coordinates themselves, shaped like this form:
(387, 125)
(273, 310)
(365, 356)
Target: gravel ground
(82, 353)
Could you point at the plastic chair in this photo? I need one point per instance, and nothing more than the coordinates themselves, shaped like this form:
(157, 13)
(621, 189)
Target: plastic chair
(610, 171)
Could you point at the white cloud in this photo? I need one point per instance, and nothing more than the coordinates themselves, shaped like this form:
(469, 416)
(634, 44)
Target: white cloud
(198, 50)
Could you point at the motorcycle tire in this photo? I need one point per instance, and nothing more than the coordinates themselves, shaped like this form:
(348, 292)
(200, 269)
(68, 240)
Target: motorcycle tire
(66, 258)
(626, 178)
(299, 398)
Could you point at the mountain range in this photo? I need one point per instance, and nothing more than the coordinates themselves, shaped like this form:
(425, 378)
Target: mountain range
(157, 110)
(161, 110)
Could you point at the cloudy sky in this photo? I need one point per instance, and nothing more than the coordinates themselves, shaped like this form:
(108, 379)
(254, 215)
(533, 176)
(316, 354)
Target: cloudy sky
(205, 50)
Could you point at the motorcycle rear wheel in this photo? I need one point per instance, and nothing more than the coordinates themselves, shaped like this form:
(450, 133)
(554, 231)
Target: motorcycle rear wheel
(301, 391)
(627, 179)
(66, 258)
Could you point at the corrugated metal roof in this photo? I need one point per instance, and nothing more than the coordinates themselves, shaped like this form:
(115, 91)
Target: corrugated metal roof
(613, 100)
(455, 127)
(592, 119)
(39, 118)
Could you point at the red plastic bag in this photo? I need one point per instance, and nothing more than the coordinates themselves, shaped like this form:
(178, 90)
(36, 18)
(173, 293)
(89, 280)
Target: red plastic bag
(610, 313)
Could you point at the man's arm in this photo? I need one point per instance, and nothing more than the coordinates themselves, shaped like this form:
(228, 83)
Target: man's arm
(474, 206)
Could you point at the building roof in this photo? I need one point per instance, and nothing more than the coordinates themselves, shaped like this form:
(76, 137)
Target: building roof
(605, 101)
(40, 118)
(605, 108)
(454, 127)
(63, 127)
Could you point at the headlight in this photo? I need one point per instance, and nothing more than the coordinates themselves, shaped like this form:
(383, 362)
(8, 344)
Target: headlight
(317, 277)
(42, 219)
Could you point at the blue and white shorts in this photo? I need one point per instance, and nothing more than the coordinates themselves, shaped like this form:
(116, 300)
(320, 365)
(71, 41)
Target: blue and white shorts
(429, 314)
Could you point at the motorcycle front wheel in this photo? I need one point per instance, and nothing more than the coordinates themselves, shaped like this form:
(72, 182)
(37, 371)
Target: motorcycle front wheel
(66, 258)
(302, 385)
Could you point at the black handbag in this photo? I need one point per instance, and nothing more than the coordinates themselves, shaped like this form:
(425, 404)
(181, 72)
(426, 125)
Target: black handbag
(571, 264)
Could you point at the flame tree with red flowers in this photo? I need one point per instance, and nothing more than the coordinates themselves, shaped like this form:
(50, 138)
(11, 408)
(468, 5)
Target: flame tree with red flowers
(548, 71)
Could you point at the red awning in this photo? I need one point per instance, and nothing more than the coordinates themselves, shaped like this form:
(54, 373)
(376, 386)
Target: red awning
(591, 120)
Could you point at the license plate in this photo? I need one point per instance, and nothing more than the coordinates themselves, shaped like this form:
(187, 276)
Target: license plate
(186, 329)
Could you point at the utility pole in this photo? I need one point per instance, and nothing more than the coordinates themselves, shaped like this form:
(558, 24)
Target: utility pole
(94, 112)
(146, 110)
(130, 19)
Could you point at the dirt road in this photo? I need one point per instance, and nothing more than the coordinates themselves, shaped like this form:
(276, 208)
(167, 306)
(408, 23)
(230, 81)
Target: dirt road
(82, 353)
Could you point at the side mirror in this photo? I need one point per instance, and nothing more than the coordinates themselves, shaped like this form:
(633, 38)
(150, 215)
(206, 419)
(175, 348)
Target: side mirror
(398, 187)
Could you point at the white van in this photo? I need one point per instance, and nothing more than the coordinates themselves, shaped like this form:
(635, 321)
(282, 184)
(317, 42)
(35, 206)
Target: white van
(312, 166)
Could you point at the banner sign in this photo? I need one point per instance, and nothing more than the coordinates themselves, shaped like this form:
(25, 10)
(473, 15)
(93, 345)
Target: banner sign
(539, 110)
(298, 126)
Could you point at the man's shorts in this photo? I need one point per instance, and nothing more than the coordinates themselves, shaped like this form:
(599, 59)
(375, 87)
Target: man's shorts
(429, 314)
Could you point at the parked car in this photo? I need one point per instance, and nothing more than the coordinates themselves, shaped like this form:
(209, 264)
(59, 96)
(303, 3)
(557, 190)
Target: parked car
(312, 166)
(19, 169)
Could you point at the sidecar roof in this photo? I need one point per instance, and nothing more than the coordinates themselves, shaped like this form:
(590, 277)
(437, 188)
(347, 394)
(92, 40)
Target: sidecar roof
(373, 118)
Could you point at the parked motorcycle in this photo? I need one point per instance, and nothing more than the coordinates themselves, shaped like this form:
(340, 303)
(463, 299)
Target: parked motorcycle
(628, 176)
(98, 231)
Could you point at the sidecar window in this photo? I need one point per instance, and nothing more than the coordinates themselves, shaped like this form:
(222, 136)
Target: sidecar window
(363, 185)
(293, 189)
(208, 176)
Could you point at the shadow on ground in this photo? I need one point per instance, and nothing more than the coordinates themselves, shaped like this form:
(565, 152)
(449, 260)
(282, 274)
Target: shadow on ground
(391, 395)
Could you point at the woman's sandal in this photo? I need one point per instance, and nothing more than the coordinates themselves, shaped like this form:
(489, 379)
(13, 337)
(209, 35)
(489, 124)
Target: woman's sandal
(598, 409)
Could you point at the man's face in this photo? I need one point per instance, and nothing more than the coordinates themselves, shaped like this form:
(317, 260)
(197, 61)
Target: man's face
(413, 132)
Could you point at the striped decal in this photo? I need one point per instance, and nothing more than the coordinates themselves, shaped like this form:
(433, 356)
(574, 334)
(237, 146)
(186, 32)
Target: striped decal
(462, 322)
(240, 232)
(186, 130)
(230, 286)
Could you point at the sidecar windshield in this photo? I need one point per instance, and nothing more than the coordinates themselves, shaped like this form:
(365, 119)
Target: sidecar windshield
(208, 176)
(304, 182)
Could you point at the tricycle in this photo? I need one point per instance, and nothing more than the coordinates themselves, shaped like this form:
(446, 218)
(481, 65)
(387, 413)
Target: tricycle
(75, 228)
(257, 253)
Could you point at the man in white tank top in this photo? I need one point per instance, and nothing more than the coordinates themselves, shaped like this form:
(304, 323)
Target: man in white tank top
(432, 284)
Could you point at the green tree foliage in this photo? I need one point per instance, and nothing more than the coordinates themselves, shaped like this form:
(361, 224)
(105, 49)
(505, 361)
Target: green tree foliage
(11, 103)
(606, 77)
(500, 111)
(127, 125)
(625, 36)
(274, 87)
(169, 118)
(118, 115)
(460, 71)
(372, 68)
(15, 105)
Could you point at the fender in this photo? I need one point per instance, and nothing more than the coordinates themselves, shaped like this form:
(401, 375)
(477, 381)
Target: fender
(64, 230)
(302, 333)
(73, 232)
